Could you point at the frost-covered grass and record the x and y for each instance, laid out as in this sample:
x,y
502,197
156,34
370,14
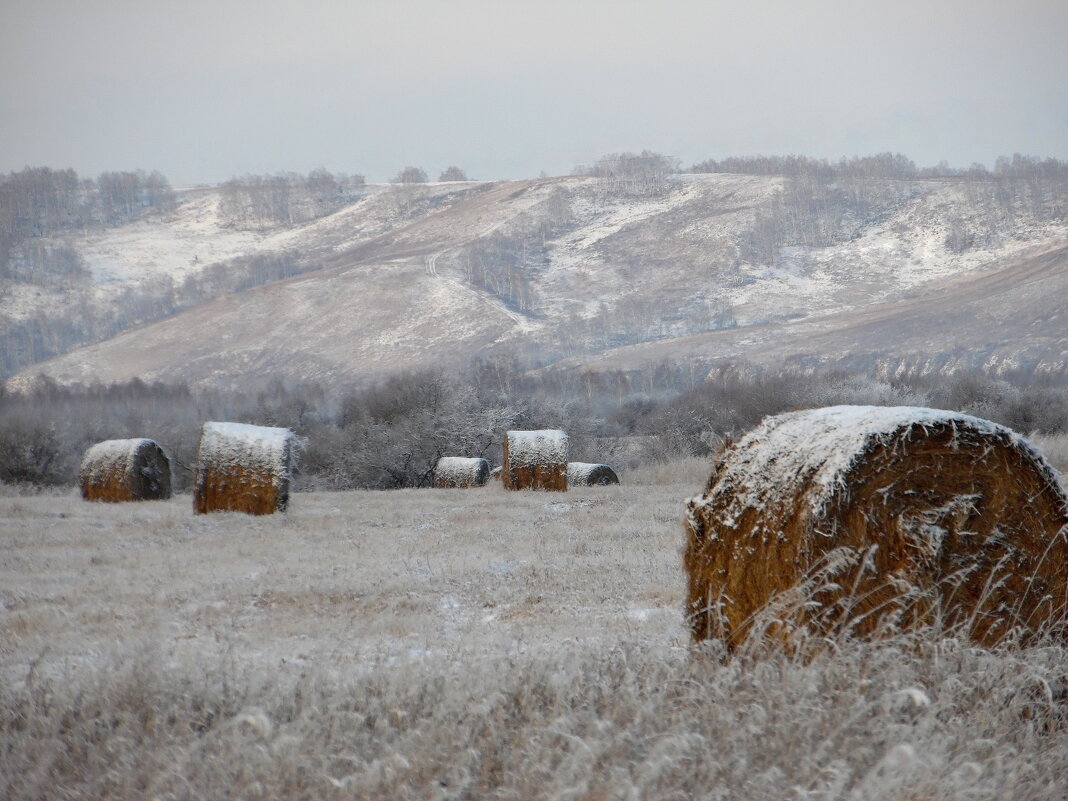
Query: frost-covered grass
x,y
462,644
1055,448
692,471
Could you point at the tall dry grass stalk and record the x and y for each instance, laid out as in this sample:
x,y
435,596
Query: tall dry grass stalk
x,y
690,472
904,719
440,645
879,517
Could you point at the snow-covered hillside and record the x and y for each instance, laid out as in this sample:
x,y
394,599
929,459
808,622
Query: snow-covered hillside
x,y
435,274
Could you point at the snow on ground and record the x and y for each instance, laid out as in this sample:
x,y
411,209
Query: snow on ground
x,y
22,301
342,581
888,260
602,217
171,246
195,236
673,253
608,216
690,223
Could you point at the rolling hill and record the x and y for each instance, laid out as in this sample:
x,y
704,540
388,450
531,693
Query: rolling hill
x,y
580,275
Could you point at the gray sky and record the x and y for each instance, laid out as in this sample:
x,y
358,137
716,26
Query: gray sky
x,y
206,90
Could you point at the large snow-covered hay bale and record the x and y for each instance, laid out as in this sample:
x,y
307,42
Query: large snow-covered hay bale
x,y
119,470
458,472
865,520
587,474
243,468
535,460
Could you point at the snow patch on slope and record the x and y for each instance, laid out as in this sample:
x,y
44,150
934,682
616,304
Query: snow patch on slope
x,y
172,246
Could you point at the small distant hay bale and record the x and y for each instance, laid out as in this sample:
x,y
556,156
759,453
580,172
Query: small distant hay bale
x,y
458,472
535,460
120,470
243,468
495,473
866,520
587,474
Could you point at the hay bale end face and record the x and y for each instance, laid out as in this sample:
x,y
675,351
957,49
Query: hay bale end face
x,y
458,472
243,468
861,520
586,474
120,470
535,460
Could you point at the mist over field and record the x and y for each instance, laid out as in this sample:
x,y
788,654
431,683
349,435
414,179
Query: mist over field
x,y
361,238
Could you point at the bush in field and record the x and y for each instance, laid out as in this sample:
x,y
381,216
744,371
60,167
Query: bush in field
x,y
30,451
390,434
694,423
1023,407
393,433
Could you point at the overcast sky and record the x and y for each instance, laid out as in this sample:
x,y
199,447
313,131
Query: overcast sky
x,y
206,90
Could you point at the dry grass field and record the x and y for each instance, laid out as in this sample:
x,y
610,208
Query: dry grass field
x,y
463,644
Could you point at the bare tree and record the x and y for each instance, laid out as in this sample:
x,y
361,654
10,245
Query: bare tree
x,y
411,175
453,174
644,173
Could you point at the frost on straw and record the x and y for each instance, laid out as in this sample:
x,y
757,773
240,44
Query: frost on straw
x,y
589,474
243,468
858,519
535,460
459,472
119,470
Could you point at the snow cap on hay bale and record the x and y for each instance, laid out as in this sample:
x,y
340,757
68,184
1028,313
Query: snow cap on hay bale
x,y
586,474
243,468
458,472
535,460
860,519
119,470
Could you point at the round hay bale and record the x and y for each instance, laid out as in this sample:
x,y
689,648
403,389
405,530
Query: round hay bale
x,y
587,474
495,473
535,460
459,472
243,468
859,520
120,470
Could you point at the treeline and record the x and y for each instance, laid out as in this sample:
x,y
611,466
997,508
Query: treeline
x,y
391,434
40,202
46,264
506,262
239,274
888,165
816,211
256,201
824,203
634,174
31,339
39,205
881,165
